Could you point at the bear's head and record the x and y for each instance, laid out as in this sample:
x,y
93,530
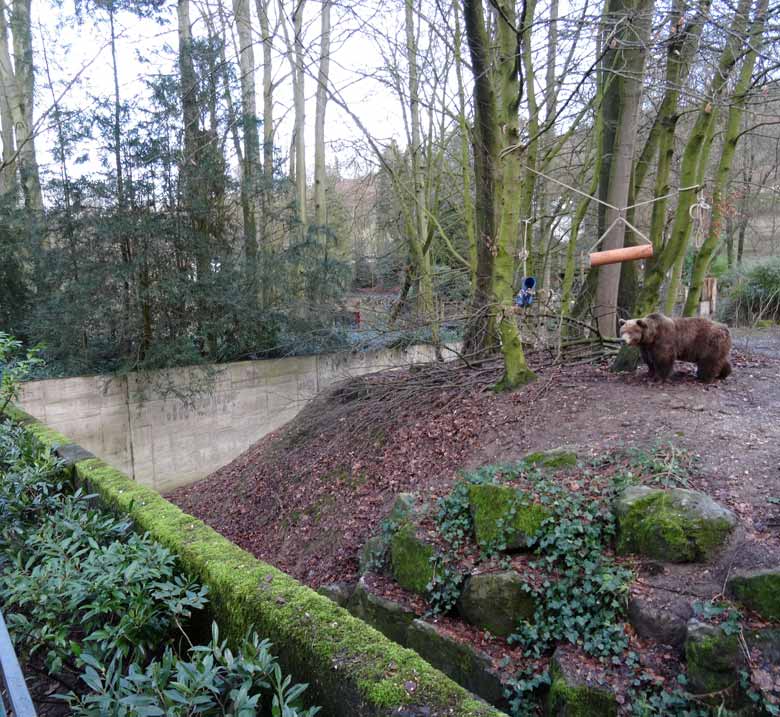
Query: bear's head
x,y
637,331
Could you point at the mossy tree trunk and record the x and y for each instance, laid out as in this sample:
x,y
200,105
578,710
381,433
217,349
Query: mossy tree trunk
x,y
692,164
497,94
705,254
680,51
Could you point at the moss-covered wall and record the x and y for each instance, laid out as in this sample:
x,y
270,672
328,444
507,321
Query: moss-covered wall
x,y
352,669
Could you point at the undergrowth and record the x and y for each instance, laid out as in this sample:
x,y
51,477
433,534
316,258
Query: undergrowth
x,y
102,611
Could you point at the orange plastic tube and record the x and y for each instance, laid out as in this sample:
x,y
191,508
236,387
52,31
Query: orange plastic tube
x,y
615,256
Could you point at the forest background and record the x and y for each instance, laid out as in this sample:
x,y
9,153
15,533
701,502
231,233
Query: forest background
x,y
199,182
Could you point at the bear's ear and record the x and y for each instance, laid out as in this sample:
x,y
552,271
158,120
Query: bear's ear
x,y
641,323
621,322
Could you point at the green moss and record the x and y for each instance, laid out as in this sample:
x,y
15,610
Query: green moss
x,y
502,516
656,527
713,659
552,459
580,701
410,559
758,591
352,669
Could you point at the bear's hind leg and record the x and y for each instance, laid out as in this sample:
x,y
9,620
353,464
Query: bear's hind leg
x,y
725,370
706,371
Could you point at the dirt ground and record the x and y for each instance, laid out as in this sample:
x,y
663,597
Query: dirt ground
x,y
307,497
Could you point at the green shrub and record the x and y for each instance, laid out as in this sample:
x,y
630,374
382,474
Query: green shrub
x,y
213,681
752,293
87,599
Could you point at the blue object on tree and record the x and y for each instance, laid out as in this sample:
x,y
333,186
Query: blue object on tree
x,y
525,296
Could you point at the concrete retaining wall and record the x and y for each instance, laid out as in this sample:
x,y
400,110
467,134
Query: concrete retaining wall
x,y
137,423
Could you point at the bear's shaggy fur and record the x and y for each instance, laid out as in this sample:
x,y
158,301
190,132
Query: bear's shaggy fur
x,y
662,341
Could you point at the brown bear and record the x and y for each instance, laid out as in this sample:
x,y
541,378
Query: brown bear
x,y
662,341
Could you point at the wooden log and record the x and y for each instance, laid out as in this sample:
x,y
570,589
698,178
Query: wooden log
x,y
615,256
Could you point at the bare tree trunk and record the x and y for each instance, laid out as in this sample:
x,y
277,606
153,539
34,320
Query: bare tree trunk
x,y
18,84
299,98
631,59
320,180
418,236
246,61
8,183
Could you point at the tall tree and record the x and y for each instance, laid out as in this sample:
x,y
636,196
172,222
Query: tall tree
x,y
497,95
733,124
320,178
17,80
251,154
692,164
628,28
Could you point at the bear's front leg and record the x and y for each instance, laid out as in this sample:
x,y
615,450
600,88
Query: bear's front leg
x,y
647,357
663,369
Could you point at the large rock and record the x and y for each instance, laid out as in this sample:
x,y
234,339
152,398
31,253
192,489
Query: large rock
x,y
411,560
572,696
677,525
757,590
714,660
663,618
468,667
503,517
390,618
340,593
496,602
373,556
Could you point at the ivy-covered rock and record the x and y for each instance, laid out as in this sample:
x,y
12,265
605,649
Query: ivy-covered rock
x,y
404,508
503,517
553,460
373,555
411,559
496,602
390,618
714,658
757,590
676,525
460,661
572,696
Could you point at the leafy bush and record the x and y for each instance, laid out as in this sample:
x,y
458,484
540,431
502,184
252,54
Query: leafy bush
x,y
87,600
213,681
752,293
15,366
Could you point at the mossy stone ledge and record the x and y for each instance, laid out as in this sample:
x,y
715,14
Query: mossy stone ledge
x,y
458,660
351,668
677,525
757,590
504,516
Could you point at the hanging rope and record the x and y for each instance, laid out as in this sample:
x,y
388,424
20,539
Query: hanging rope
x,y
698,212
